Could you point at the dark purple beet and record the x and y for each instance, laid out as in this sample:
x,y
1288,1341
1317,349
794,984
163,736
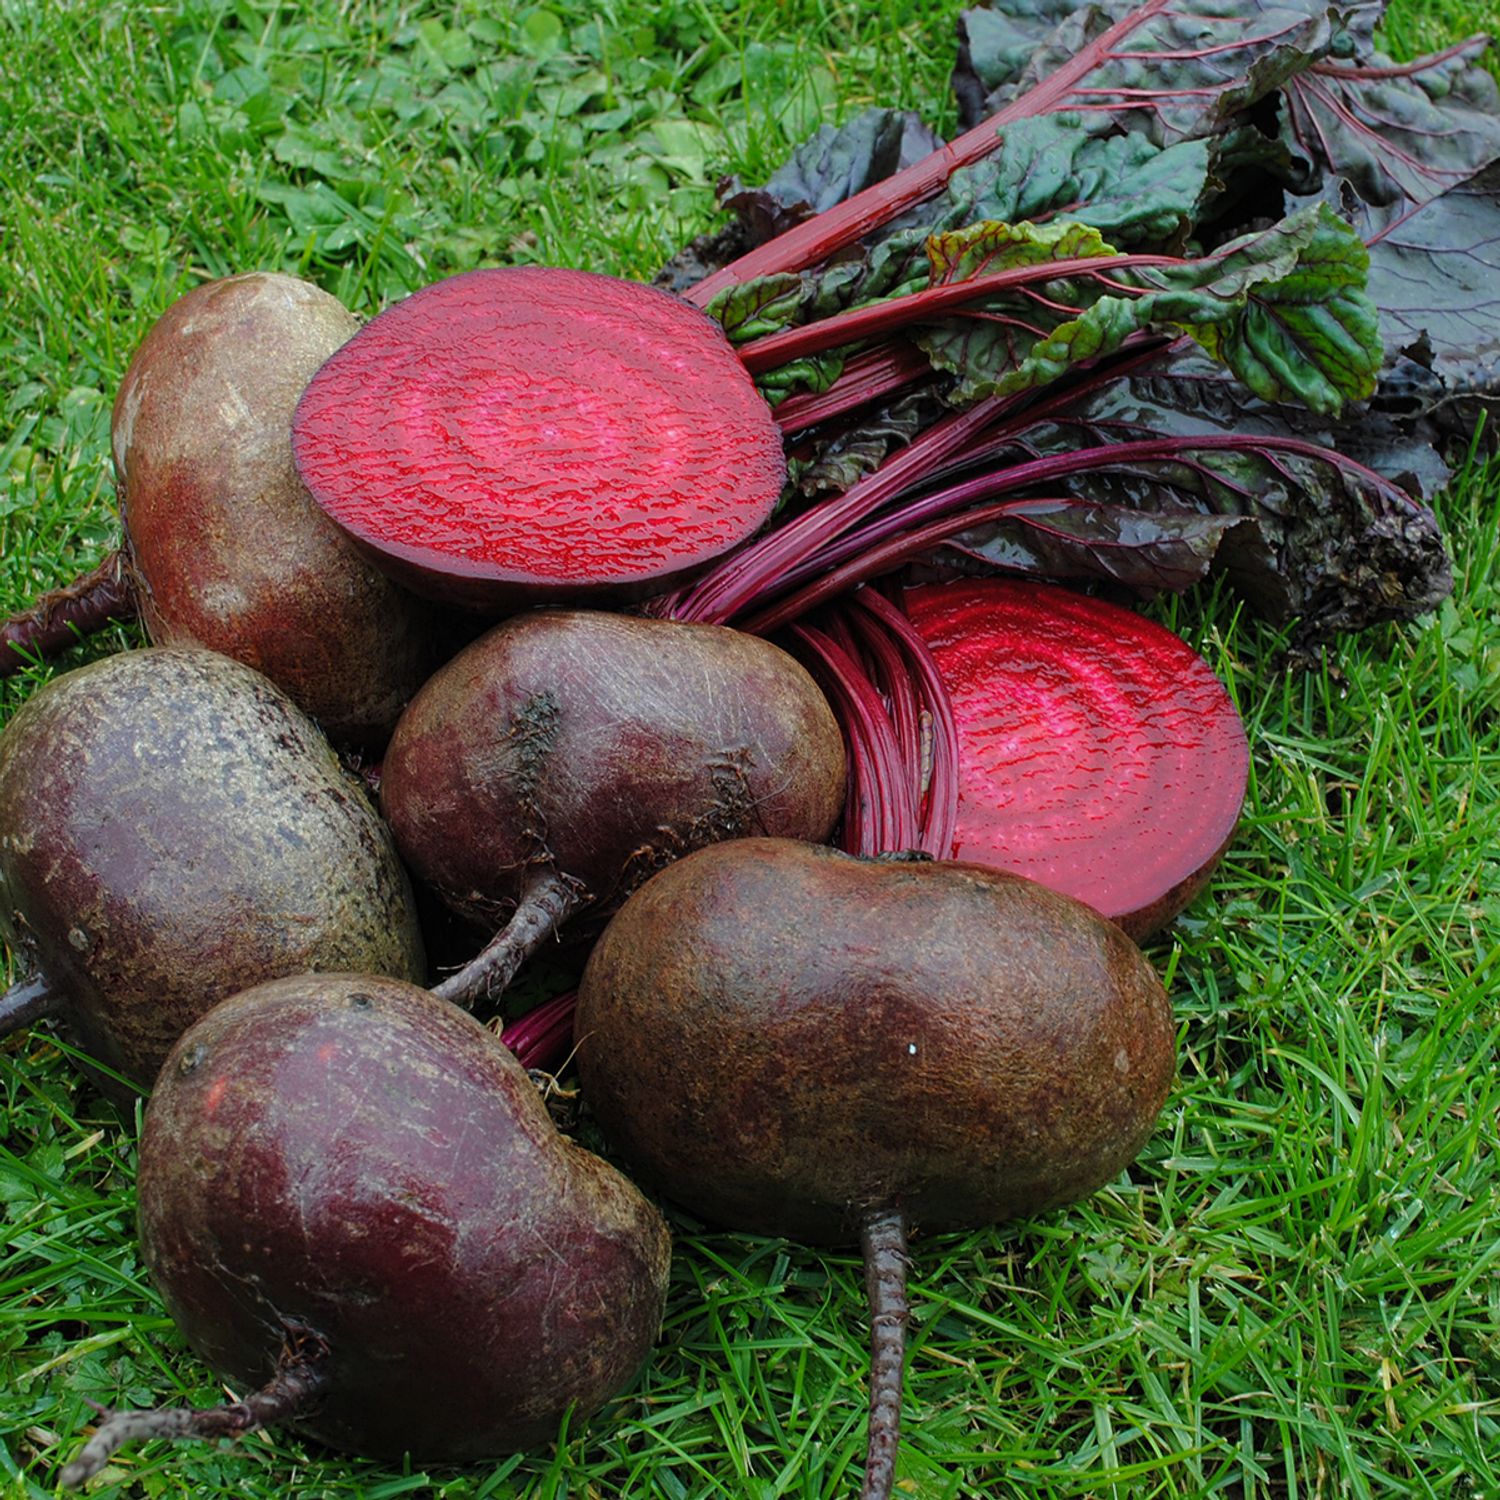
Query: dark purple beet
x,y
226,547
173,829
566,755
352,1194
870,1043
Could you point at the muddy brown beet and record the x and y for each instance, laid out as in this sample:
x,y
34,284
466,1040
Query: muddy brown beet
x,y
566,755
345,1180
173,829
226,547
781,1035
792,1041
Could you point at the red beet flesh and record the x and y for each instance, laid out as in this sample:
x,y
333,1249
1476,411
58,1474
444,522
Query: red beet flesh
x,y
527,434
1098,753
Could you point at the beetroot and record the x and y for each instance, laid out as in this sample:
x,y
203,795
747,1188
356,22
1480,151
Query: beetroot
x,y
226,547
352,1195
868,1044
536,435
174,829
566,755
1097,752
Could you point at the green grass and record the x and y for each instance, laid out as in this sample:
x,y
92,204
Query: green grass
x,y
1296,1292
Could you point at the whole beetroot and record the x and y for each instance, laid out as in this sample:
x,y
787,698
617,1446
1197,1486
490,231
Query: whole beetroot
x,y
223,543
566,755
789,1040
173,829
352,1196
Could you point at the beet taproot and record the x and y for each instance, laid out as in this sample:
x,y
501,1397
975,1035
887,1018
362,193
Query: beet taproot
x,y
523,435
789,1040
173,829
1097,752
564,756
222,541
352,1196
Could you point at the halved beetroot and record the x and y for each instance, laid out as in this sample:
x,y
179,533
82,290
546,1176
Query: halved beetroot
x,y
527,434
1098,753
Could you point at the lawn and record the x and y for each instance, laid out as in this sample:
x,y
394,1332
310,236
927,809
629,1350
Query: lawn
x,y
1294,1293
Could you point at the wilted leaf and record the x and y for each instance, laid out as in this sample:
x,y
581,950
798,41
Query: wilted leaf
x,y
834,164
1144,551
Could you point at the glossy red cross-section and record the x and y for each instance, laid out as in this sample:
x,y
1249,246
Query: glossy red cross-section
x,y
526,434
1098,753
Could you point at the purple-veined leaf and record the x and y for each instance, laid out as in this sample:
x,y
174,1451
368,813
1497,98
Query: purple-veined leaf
x,y
1283,308
1176,69
1435,276
1183,73
1397,135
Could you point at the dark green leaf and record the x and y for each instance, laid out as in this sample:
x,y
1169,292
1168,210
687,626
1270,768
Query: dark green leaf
x,y
1134,192
834,164
1192,396
1283,308
1137,193
751,309
814,374
1331,542
987,247
994,46
836,463
1398,137
1184,72
1308,332
1435,275
1144,551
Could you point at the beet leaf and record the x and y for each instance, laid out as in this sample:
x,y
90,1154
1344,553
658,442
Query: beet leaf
x,y
1185,71
1435,275
832,165
1284,309
1179,70
1399,135
1325,538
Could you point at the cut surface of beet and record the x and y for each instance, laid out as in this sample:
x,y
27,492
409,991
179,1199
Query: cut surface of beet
x,y
510,435
1098,753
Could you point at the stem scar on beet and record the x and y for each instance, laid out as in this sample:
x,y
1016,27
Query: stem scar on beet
x,y
528,435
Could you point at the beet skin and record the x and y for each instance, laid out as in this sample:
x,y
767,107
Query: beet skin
x,y
782,1037
347,1163
173,829
566,755
226,547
